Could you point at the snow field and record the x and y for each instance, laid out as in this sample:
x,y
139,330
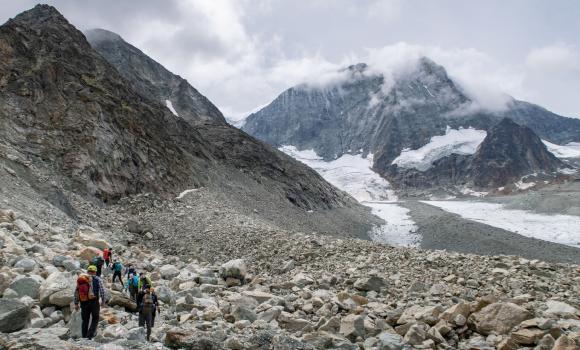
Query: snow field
x,y
563,229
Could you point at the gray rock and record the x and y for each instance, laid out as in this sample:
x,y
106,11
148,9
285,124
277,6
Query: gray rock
x,y
137,334
373,283
14,315
234,269
499,318
390,341
241,312
27,285
26,264
168,272
71,265
352,326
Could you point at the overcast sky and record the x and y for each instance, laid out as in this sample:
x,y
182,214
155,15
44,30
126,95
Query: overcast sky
x,y
242,53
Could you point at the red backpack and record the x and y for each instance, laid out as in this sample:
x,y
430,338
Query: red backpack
x,y
85,287
106,253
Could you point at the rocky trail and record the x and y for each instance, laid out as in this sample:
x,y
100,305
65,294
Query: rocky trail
x,y
233,282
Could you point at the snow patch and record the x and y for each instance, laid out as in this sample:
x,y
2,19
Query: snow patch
x,y
399,229
561,229
570,150
350,173
469,192
170,106
524,185
184,193
458,141
353,174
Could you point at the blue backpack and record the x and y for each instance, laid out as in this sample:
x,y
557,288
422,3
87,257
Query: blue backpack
x,y
135,281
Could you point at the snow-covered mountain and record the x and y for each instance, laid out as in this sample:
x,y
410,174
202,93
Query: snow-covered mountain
x,y
412,122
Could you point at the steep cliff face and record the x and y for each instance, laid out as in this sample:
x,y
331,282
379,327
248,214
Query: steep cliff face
x,y
70,117
508,152
359,116
152,80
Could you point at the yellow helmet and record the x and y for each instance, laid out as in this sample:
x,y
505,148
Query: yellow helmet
x,y
92,268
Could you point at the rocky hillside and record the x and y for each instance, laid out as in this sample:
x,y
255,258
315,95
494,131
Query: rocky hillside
x,y
356,115
253,286
71,122
508,153
152,80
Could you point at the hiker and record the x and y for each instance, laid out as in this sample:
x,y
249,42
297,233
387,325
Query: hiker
x,y
98,262
107,256
130,270
147,304
87,293
144,281
117,268
132,285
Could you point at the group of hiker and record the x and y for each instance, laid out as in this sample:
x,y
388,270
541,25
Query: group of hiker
x,y
90,294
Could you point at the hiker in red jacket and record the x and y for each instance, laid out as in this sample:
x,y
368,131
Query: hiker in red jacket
x,y
107,253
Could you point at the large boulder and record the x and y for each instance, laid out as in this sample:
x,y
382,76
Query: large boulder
x,y
91,238
373,283
352,326
7,215
122,300
89,253
27,264
165,294
62,298
499,318
302,280
14,315
10,244
168,272
234,269
4,282
561,309
390,341
27,286
23,226
55,282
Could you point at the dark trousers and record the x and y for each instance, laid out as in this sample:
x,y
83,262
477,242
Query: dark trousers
x,y
146,319
99,270
90,310
133,292
117,274
107,261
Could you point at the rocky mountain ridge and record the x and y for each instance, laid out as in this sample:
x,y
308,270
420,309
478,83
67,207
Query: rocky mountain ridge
x,y
152,80
70,118
357,117
508,152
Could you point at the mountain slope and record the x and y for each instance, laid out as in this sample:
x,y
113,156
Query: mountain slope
x,y
68,118
152,80
357,115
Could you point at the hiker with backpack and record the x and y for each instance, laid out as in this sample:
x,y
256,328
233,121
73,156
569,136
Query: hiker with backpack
x,y
107,256
98,262
147,304
144,280
132,285
130,270
88,291
117,268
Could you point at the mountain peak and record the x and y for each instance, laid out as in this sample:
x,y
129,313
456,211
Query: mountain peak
x,y
40,14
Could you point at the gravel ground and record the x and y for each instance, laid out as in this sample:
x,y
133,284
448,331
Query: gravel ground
x,y
443,230
556,199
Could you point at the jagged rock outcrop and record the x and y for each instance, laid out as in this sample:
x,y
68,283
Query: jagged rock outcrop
x,y
68,115
508,152
152,79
